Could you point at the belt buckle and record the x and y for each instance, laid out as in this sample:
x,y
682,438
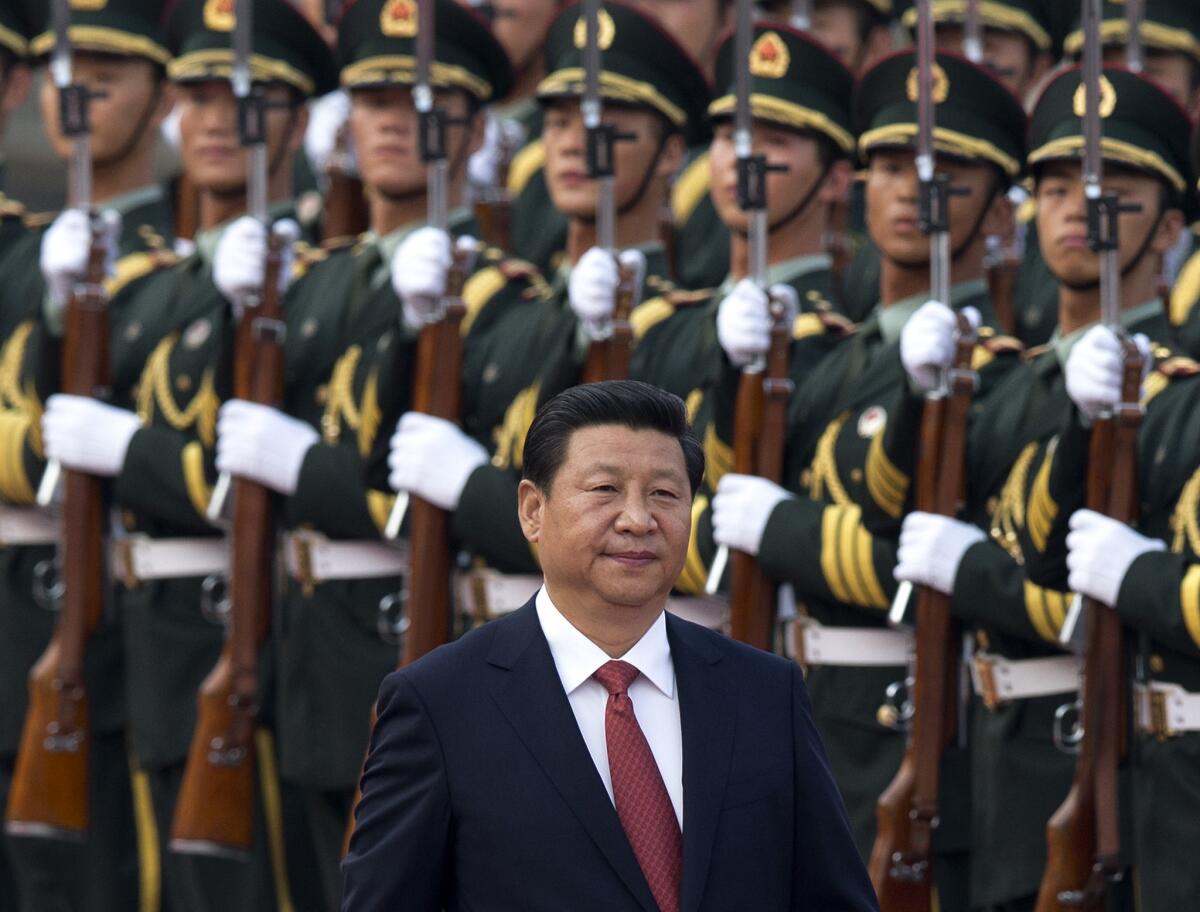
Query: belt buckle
x,y
304,564
799,638
985,680
1158,723
126,566
479,595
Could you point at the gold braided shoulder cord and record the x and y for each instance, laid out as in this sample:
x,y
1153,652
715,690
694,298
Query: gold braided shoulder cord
x,y
340,404
1186,519
824,473
12,357
154,389
1010,511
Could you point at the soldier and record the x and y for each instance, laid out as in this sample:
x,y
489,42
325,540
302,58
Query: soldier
x,y
1021,676
810,533
156,438
350,319
118,53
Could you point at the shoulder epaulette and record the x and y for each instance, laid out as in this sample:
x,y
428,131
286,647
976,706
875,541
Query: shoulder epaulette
x,y
524,165
818,323
139,264
683,297
39,219
990,346
10,208
1031,353
517,269
690,188
1166,371
649,314
331,245
1027,211
1186,292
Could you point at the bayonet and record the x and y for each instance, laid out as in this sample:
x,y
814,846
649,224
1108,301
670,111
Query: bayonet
x,y
972,32
1135,13
801,17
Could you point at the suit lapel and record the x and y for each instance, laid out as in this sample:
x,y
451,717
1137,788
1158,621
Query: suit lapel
x,y
529,692
707,718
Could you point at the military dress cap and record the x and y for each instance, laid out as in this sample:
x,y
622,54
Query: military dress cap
x,y
377,44
287,49
14,28
1025,17
640,65
130,28
977,118
795,82
1143,127
1168,25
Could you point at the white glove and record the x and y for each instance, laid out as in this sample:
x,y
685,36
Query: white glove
x,y
1094,371
432,458
744,320
740,511
931,548
262,444
87,435
592,288
419,268
927,342
1099,553
326,117
240,259
170,131
501,137
65,248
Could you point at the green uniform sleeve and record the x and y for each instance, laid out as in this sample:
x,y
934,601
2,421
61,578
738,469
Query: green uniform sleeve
x,y
331,494
486,521
1161,595
168,475
991,590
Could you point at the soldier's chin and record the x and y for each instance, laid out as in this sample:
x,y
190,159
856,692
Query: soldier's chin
x,y
627,592
574,203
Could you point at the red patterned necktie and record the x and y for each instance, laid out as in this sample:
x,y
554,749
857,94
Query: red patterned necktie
x,y
643,804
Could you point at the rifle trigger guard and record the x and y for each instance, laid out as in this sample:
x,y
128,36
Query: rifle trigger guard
x,y
48,587
1067,738
215,603
393,621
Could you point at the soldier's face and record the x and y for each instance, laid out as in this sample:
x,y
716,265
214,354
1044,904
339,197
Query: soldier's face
x,y
520,27
384,124
209,146
131,105
1009,55
615,522
785,189
1062,221
572,192
696,24
893,204
1176,73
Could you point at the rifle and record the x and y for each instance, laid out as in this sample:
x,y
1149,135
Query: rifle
x,y
1083,839
610,351
346,212
765,386
50,786
901,862
214,814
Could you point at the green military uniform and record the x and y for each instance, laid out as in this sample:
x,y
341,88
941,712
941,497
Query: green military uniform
x,y
183,374
1018,777
841,573
642,66
108,870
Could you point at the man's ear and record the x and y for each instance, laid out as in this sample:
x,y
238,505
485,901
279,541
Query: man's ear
x,y
1000,218
670,162
1170,226
531,500
838,182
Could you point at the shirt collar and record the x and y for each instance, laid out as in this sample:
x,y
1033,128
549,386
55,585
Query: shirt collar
x,y
206,241
786,272
577,658
125,203
893,317
1130,317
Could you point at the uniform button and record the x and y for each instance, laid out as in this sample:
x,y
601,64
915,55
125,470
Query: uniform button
x,y
1157,664
856,475
183,383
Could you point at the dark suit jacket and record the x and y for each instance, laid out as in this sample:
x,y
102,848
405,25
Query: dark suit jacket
x,y
479,793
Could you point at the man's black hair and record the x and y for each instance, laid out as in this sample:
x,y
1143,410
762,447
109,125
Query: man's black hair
x,y
629,403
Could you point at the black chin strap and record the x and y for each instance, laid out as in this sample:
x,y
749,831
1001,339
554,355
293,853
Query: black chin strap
x,y
796,211
649,175
138,129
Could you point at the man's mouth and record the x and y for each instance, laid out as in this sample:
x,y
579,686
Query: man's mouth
x,y
634,559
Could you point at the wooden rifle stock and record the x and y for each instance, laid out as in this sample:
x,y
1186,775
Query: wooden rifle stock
x,y
840,245
1083,848
187,207
901,862
759,436
346,212
438,393
49,792
214,814
609,359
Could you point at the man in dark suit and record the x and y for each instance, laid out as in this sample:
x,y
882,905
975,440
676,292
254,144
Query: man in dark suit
x,y
591,753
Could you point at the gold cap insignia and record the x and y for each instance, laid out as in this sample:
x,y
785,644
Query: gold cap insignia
x,y
608,31
220,15
770,57
941,85
398,19
1108,99
89,5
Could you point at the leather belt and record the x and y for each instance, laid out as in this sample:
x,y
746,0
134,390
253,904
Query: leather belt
x,y
136,559
1165,710
27,526
484,593
312,559
813,643
999,680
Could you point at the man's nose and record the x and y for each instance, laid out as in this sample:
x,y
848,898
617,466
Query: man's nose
x,y
636,517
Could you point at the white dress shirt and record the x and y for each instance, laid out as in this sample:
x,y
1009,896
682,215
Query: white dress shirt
x,y
653,693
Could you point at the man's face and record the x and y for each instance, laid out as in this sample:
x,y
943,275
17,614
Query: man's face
x,y
785,189
614,525
520,27
383,122
209,147
893,204
1008,55
1062,220
836,24
696,24
129,101
563,133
